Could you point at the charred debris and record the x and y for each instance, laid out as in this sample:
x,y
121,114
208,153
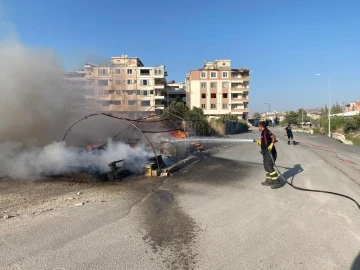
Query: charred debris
x,y
151,132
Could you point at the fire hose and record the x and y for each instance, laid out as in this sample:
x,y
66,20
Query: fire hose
x,y
307,189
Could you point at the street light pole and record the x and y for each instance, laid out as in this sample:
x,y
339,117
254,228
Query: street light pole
x,y
329,80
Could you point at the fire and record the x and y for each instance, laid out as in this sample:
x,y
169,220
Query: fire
x,y
178,134
181,134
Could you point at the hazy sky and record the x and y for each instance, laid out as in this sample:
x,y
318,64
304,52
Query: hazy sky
x,y
284,42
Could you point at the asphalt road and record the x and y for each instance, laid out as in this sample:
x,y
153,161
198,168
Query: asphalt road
x,y
213,214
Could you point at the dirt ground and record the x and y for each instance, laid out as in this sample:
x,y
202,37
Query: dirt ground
x,y
36,197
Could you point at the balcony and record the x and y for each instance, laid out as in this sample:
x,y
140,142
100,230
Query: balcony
x,y
240,78
103,97
159,86
243,110
239,100
89,96
159,97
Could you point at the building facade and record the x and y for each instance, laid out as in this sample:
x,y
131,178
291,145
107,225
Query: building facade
x,y
352,106
125,85
175,92
219,89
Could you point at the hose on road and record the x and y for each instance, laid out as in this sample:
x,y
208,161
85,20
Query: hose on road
x,y
311,190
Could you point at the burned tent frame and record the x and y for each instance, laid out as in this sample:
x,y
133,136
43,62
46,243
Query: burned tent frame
x,y
131,122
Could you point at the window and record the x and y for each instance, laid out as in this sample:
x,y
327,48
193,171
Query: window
x,y
144,82
225,95
224,106
103,92
102,72
213,74
203,106
213,95
131,102
117,71
213,106
158,72
103,82
203,95
129,71
144,92
118,92
225,85
203,74
145,72
224,74
130,92
118,82
117,102
129,81
213,85
203,85
145,103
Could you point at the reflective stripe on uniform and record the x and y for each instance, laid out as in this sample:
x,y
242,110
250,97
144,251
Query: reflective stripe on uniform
x,y
273,173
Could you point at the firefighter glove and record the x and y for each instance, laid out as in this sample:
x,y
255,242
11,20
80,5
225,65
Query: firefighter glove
x,y
270,147
258,142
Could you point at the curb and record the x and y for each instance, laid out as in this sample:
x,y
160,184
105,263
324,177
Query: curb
x,y
179,165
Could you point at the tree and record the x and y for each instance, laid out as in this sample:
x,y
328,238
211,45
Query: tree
x,y
324,111
195,118
291,117
302,116
176,111
228,118
336,108
257,115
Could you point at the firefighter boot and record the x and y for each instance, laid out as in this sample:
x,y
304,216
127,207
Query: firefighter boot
x,y
268,182
276,184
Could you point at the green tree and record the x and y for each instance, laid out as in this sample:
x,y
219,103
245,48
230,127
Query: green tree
x,y
336,108
324,110
291,117
302,115
194,118
228,118
257,116
176,111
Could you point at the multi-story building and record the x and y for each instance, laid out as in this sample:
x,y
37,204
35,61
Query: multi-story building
x,y
125,85
219,89
175,92
352,106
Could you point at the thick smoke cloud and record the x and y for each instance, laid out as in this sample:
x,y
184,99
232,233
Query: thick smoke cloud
x,y
34,117
32,98
57,159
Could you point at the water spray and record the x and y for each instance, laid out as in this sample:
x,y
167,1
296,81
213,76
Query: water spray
x,y
213,140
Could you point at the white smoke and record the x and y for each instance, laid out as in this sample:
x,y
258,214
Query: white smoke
x,y
33,111
57,159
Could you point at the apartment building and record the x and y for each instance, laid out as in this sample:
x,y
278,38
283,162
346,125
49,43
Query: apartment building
x,y
352,106
219,89
175,92
124,85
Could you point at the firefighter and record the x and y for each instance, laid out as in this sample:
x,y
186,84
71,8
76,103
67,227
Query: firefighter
x,y
267,144
289,134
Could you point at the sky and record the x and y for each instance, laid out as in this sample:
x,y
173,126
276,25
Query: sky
x,y
285,43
